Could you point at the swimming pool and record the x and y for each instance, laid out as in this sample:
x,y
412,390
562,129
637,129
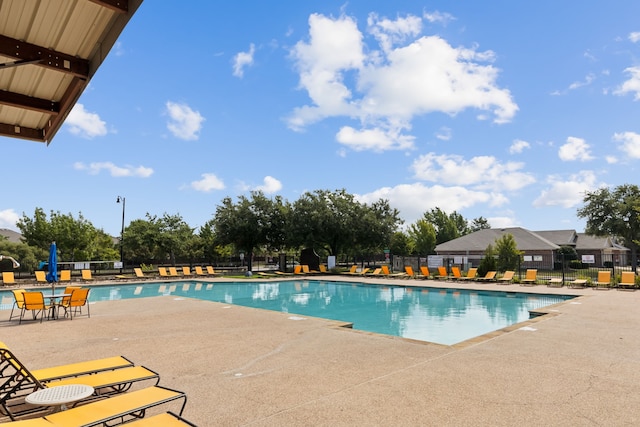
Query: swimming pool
x,y
443,316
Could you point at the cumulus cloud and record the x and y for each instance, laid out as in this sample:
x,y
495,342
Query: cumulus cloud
x,y
632,85
413,200
114,170
242,60
444,134
208,183
385,88
184,123
634,36
84,123
567,192
8,219
481,172
518,146
630,143
270,186
575,149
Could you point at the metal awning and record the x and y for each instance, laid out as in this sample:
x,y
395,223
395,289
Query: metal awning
x,y
49,50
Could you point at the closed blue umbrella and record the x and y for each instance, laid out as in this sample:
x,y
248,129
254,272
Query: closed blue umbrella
x,y
52,275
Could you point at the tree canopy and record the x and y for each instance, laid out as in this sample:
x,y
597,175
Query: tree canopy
x,y
614,212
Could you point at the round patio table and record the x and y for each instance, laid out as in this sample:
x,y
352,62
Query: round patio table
x,y
59,395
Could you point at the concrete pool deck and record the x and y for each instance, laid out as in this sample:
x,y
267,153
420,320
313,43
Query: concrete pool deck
x,y
579,366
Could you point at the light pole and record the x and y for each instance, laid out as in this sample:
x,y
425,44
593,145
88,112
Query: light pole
x,y
118,200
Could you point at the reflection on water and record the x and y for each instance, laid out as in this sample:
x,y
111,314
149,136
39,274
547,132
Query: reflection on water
x,y
445,316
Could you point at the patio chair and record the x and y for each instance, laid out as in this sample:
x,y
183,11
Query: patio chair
x,y
86,275
41,277
530,277
8,278
489,277
627,280
162,271
79,298
455,273
65,276
323,269
425,272
186,271
297,269
199,271
376,272
168,419
353,269
34,302
578,283
18,302
18,381
173,272
471,274
409,270
604,279
211,271
555,282
123,407
507,277
442,273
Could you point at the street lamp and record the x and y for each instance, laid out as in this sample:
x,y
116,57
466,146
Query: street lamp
x,y
118,200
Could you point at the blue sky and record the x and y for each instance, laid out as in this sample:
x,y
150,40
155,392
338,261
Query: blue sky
x,y
501,109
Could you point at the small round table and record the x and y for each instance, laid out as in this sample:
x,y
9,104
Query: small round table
x,y
59,395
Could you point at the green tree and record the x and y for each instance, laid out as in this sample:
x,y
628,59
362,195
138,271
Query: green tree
x,y
508,255
480,223
27,256
488,262
423,235
249,223
614,212
400,244
448,227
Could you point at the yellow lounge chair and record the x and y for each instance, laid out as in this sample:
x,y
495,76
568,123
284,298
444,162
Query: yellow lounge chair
x,y
471,274
507,277
125,407
442,273
173,272
455,273
489,277
578,283
111,375
425,272
65,276
376,272
555,282
41,277
211,271
86,275
162,271
186,271
530,277
604,279
8,278
627,280
139,273
198,270
353,269
409,271
297,269
168,419
387,273
323,269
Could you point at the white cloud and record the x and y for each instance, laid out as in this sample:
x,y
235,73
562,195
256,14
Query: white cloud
x,y
575,149
413,200
8,219
242,60
566,192
270,186
208,183
184,123
116,171
373,139
406,77
518,146
589,78
85,124
481,173
443,18
444,134
502,222
634,36
611,160
630,143
632,85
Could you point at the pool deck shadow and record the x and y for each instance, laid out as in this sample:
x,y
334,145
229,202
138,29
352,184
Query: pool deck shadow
x,y
578,366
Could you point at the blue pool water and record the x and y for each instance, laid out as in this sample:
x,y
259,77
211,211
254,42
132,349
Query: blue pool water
x,y
444,316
